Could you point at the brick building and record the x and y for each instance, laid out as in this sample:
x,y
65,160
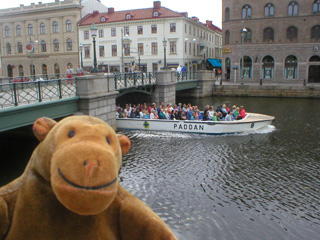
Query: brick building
x,y
279,40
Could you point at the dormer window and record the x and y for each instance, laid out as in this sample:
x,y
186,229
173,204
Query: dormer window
x,y
156,14
128,16
103,19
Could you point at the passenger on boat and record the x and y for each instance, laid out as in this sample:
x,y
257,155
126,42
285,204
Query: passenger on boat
x,y
162,115
189,113
214,117
242,113
236,112
229,116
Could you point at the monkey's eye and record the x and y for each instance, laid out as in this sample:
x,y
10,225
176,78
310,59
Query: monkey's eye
x,y
71,133
108,140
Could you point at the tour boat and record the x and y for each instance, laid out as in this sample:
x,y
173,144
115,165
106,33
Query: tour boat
x,y
252,122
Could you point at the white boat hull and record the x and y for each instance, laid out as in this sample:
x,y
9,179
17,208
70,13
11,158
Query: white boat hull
x,y
251,123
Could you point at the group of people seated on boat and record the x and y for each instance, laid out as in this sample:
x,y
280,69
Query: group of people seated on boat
x,y
181,112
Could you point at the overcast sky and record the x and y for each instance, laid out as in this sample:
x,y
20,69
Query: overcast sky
x,y
203,9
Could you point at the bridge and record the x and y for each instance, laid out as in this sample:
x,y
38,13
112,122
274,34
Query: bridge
x,y
23,101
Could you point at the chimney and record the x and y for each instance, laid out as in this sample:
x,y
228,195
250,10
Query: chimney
x,y
110,10
95,13
195,19
209,23
156,4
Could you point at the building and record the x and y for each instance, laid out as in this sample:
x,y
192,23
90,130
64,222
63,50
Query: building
x,y
276,40
92,5
40,38
134,39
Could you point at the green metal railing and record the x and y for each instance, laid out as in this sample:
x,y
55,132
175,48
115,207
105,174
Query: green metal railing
x,y
21,93
128,80
186,76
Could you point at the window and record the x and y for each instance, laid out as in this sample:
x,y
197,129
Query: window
x,y
140,29
128,16
190,30
292,34
44,69
113,32
246,11
43,46
246,36
57,69
30,29
185,28
114,50
21,73
190,48
293,9
101,51
155,14
42,28
101,33
20,49
127,49
173,47
68,26
7,31
153,28
185,47
103,19
154,50
126,31
55,45
268,67
55,27
227,15
18,30
8,48
172,27
69,44
140,48
316,6
227,37
86,34
268,35
290,65
315,33
269,10
87,52
247,66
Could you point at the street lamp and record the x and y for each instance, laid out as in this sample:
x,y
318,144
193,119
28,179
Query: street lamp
x,y
243,31
81,60
165,53
94,30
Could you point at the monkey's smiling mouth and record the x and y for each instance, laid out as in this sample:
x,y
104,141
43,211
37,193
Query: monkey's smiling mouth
x,y
85,187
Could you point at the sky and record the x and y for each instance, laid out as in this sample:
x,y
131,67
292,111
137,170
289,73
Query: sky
x,y
203,9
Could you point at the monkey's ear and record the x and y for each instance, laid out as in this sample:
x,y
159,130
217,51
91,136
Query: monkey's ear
x,y
125,143
42,127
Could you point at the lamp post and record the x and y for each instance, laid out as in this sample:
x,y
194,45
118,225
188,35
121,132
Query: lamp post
x,y
165,53
243,31
81,60
94,30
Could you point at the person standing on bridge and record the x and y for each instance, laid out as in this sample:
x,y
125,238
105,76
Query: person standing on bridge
x,y
69,74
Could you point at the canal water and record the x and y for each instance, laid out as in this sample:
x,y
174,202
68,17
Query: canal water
x,y
264,185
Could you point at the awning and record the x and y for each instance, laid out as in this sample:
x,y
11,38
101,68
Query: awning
x,y
215,62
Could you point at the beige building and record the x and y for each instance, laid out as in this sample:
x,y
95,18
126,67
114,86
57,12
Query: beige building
x,y
40,39
276,40
134,38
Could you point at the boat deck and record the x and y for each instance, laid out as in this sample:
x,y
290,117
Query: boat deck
x,y
257,117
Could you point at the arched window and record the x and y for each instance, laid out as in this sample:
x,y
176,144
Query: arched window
x,y
7,31
290,67
30,29
69,44
21,73
42,28
246,36
227,15
57,70
55,27
43,46
19,46
316,6
268,35
55,45
10,72
228,68
128,16
315,33
314,58
8,48
44,69
268,67
247,66
103,19
32,70
68,26
246,11
18,30
269,10
293,9
227,37
292,34
155,14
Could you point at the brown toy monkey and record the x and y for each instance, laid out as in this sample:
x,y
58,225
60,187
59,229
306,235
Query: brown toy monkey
x,y
70,188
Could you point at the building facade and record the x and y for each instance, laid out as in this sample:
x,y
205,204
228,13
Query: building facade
x,y
275,40
133,39
40,39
